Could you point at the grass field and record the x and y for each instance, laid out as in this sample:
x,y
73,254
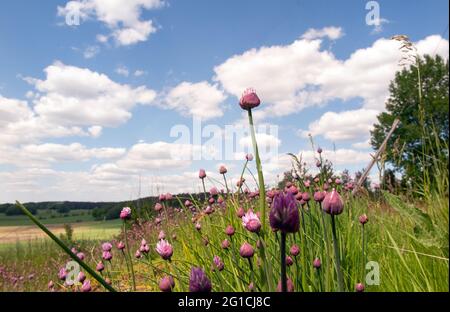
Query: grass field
x,y
83,230
47,217
30,257
19,228
409,245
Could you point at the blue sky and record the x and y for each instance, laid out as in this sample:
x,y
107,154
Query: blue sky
x,y
85,110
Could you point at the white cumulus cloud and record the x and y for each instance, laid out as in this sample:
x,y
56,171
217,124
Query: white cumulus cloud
x,y
122,70
195,99
302,75
122,17
72,152
79,96
346,125
331,32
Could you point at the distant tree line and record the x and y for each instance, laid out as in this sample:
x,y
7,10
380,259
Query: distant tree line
x,y
60,207
143,207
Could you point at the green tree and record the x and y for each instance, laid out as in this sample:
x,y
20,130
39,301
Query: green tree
x,y
422,122
287,177
62,209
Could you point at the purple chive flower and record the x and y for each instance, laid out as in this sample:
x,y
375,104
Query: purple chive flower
x,y
161,235
249,99
166,284
162,197
284,214
326,186
229,230
125,214
338,181
249,157
62,274
319,196
202,174
218,263
246,250
317,263
293,189
158,207
241,212
298,196
271,193
319,150
289,261
290,286
211,200
100,267
106,246
240,182
295,250
164,249
86,287
137,254
359,287
198,281
214,191
363,219
222,170
144,248
226,244
198,226
332,203
169,196
80,256
209,210
251,222
306,197
120,245
158,221
106,255
307,183
81,277
74,250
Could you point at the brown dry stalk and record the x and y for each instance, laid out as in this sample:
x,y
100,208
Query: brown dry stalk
x,y
375,158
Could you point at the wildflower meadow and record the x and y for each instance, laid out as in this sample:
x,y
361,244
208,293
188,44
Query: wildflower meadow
x,y
316,162
316,233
